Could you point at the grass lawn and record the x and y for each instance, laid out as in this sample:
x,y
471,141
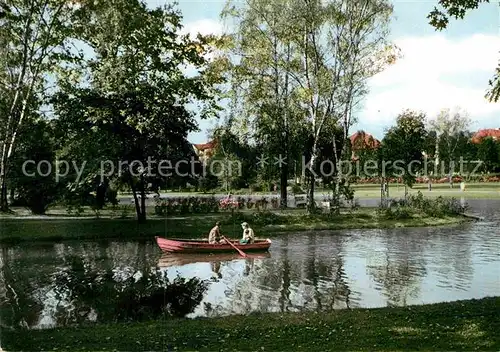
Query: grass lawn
x,y
477,190
266,224
472,191
462,325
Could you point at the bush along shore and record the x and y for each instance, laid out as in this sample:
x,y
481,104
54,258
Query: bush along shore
x,y
462,325
416,211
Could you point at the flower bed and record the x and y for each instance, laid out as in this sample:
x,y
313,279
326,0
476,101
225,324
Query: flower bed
x,y
445,179
182,205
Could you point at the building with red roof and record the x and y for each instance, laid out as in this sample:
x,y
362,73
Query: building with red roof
x,y
362,140
205,150
485,133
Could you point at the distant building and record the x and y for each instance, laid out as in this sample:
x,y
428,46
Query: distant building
x,y
362,140
204,150
485,133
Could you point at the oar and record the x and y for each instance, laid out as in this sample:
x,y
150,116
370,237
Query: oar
x,y
232,245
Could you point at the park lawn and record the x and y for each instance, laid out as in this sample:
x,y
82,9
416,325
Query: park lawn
x,y
461,325
265,224
472,191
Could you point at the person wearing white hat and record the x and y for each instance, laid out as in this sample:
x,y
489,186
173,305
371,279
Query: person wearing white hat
x,y
248,235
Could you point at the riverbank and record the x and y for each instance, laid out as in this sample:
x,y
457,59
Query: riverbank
x,y
462,325
56,228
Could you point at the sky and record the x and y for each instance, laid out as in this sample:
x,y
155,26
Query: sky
x,y
448,69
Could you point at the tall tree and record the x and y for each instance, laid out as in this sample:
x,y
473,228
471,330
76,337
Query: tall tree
x,y
403,146
136,107
264,49
320,55
34,41
448,126
343,43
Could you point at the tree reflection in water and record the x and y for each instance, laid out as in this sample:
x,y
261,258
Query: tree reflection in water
x,y
399,270
82,289
148,294
248,266
216,269
303,273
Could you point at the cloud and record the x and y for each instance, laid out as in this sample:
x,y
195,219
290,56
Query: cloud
x,y
436,73
204,26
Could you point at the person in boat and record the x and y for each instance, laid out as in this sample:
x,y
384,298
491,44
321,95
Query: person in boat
x,y
214,237
248,235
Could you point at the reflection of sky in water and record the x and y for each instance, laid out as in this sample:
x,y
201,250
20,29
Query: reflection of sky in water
x,y
369,268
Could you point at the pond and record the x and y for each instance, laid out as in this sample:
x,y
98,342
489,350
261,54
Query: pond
x,y
303,271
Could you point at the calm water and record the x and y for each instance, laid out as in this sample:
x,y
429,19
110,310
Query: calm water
x,y
312,271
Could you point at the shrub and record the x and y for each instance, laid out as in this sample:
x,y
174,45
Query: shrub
x,y
195,205
208,183
255,188
228,203
241,203
397,213
438,207
296,189
261,203
250,203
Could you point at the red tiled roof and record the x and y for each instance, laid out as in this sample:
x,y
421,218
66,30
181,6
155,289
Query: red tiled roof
x,y
367,141
487,132
204,146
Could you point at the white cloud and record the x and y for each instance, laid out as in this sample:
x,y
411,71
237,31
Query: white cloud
x,y
426,78
204,27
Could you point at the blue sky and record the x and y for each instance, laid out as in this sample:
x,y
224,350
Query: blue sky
x,y
448,69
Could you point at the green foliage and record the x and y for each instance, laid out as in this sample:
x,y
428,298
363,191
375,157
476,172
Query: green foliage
x,y
462,325
208,183
489,153
297,189
35,157
436,207
135,109
256,187
237,155
402,146
416,205
397,213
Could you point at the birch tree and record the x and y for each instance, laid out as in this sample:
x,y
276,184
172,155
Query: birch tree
x,y
448,125
343,44
34,38
308,62
264,92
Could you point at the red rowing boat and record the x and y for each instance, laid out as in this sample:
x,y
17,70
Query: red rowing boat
x,y
202,246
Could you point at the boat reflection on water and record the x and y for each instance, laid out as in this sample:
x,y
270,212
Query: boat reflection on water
x,y
170,259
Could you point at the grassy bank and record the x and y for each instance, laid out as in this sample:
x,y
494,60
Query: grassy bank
x,y
193,226
463,325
